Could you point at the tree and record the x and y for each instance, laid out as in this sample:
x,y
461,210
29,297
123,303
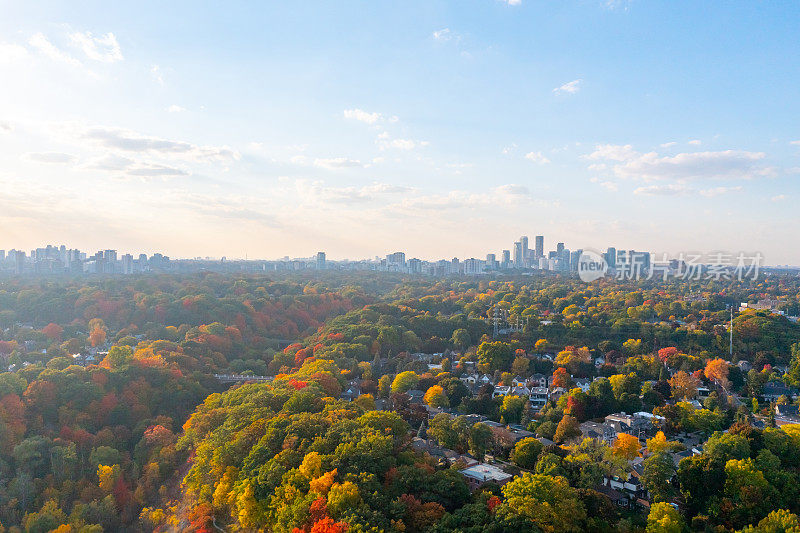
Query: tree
x,y
526,452
659,443
547,502
665,353
436,397
384,386
567,429
495,355
658,471
664,518
461,339
520,366
683,385
53,331
717,371
747,491
512,408
626,446
632,346
561,378
404,382
780,521
480,440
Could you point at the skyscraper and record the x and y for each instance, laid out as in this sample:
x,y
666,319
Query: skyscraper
x,y
506,258
524,241
518,254
611,257
539,246
320,260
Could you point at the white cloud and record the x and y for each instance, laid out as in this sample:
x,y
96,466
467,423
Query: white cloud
x,y
384,142
130,141
155,170
104,48
796,143
537,158
367,117
175,109
696,142
513,2
570,87
43,45
727,164
510,148
108,162
155,73
6,127
318,193
716,191
12,53
779,197
663,190
614,152
668,145
443,35
49,157
610,185
337,162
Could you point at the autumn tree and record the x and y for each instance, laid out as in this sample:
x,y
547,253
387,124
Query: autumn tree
x,y
684,385
664,518
717,371
436,397
404,382
626,446
568,428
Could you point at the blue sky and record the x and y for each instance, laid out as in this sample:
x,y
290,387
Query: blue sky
x,y
439,128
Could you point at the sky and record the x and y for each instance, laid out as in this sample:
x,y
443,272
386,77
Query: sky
x,y
440,128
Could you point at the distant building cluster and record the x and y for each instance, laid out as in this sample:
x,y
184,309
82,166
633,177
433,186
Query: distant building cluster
x,y
61,260
521,257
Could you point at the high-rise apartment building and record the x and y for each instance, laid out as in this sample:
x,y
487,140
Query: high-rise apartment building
x,y
524,242
539,246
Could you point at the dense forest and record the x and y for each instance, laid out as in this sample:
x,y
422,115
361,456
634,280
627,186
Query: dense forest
x,y
363,412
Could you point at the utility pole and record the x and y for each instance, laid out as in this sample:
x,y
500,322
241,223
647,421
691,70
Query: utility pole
x,y
730,350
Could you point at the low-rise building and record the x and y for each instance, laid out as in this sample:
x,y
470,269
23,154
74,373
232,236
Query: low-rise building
x,y
477,475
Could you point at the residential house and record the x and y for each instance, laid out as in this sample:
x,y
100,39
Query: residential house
x,y
539,396
476,476
775,389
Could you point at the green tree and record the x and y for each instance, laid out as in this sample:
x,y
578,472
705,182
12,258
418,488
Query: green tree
x,y
480,440
461,339
664,518
549,503
512,408
404,381
495,355
658,471
526,452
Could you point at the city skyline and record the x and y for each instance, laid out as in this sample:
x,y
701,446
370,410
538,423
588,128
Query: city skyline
x,y
440,128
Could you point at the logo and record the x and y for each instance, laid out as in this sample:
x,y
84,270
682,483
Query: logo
x,y
591,266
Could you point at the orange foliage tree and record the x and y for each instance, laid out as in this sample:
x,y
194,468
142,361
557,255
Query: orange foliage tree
x,y
626,446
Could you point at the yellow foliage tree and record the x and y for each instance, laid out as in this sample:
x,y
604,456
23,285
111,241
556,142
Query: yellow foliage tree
x,y
107,476
626,446
311,467
323,483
